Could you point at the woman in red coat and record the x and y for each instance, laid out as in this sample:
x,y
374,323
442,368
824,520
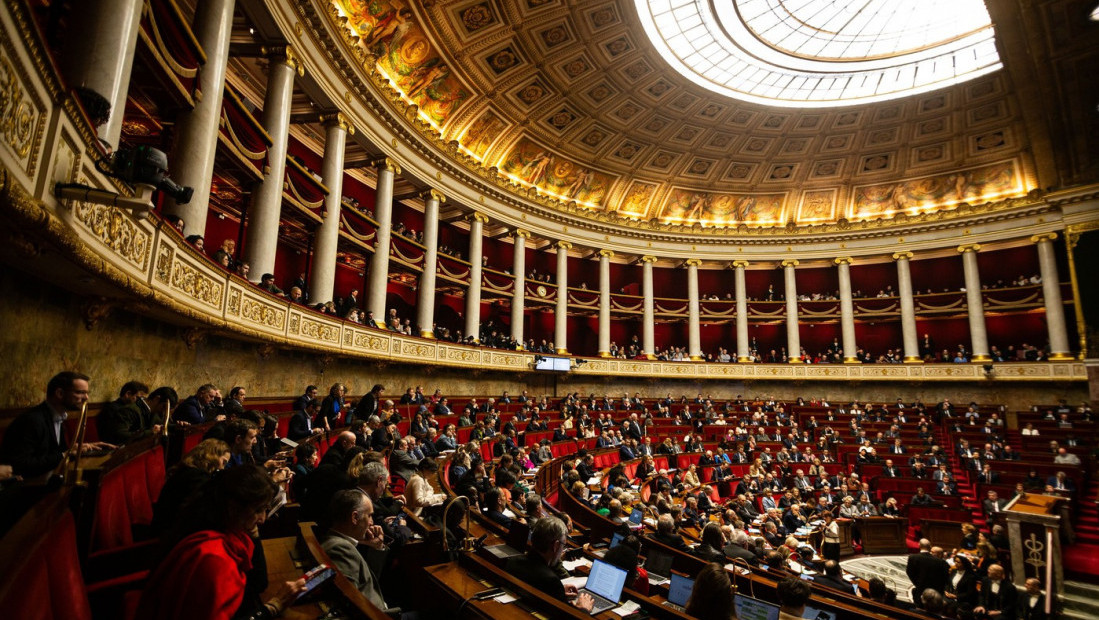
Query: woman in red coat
x,y
203,575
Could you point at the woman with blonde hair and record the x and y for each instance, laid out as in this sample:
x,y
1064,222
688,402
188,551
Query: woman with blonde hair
x,y
193,471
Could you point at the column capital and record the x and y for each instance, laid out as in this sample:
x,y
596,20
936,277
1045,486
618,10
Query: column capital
x,y
790,262
606,253
563,245
971,247
388,163
522,232
477,216
694,262
286,55
740,263
339,119
1050,236
902,255
648,258
843,260
431,194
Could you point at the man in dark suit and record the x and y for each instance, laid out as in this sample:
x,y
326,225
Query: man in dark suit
x,y
626,452
738,548
832,577
890,471
401,461
352,524
548,541
301,423
996,595
193,410
993,503
925,570
35,442
1032,603
126,418
370,403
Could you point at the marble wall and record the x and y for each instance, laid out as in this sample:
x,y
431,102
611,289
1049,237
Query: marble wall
x,y
45,332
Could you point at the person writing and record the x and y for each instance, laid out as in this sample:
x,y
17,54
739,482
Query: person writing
x,y
548,539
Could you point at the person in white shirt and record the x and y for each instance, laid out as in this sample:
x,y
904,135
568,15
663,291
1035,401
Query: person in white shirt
x,y
419,492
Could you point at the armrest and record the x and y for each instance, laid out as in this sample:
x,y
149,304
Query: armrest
x,y
108,565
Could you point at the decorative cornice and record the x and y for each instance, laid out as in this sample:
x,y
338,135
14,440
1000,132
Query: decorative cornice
x,y
970,247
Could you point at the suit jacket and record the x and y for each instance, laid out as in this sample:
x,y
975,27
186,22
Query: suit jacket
x,y
996,506
626,454
1025,612
402,464
300,426
30,445
120,422
346,558
1005,600
927,571
537,573
189,411
368,406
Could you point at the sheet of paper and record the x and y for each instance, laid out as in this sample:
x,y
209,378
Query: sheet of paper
x,y
626,608
575,581
505,598
572,565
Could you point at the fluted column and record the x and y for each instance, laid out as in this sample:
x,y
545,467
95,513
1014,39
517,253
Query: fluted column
x,y
648,315
793,335
377,282
847,311
974,303
265,211
1051,294
519,290
561,320
322,281
99,55
425,297
908,309
743,350
694,329
197,129
473,293
605,302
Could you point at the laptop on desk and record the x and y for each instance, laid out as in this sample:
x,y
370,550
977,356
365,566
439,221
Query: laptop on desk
x,y
635,518
514,545
659,566
604,585
679,592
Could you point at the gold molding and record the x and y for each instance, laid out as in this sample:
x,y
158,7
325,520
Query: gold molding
x,y
741,264
903,255
522,232
477,216
339,119
563,245
1050,236
648,258
790,262
694,262
843,260
970,247
606,253
287,56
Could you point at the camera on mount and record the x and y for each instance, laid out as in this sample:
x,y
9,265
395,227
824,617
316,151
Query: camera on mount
x,y
144,164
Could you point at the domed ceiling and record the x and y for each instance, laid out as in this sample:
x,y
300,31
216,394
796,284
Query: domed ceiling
x,y
573,98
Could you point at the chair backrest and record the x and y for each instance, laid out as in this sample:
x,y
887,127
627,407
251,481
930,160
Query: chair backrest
x,y
111,522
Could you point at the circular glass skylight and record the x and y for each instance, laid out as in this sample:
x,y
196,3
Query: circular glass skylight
x,y
820,53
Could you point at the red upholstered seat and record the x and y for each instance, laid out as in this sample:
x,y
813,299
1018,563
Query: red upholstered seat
x,y
111,525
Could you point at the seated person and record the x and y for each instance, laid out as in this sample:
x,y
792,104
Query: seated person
x,y
548,541
186,478
419,493
353,525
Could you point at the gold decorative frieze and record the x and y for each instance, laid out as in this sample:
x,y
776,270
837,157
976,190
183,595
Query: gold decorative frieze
x,y
165,254
195,284
263,313
21,111
115,229
317,330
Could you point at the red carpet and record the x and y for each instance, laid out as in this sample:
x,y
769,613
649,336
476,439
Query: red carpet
x,y
1082,560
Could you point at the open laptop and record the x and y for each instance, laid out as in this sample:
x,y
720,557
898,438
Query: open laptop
x,y
515,543
748,607
679,592
635,518
659,566
605,583
616,540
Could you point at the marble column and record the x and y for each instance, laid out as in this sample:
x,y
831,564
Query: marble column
x,y
847,311
694,329
561,318
605,302
99,55
477,223
197,129
1051,294
377,280
1072,238
519,288
425,297
909,337
793,335
974,303
743,348
264,214
648,316
322,281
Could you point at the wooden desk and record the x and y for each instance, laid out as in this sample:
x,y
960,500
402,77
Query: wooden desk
x,y
945,534
882,534
281,567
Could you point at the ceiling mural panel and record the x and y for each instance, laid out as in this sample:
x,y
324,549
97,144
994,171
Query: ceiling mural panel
x,y
975,185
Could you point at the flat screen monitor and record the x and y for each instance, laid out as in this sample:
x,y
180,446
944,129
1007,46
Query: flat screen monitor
x,y
680,589
559,364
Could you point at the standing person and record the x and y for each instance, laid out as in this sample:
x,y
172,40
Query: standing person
x,y
831,547
204,574
35,442
332,407
926,571
370,403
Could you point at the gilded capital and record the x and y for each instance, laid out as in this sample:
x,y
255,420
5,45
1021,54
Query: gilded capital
x,y
843,260
287,56
563,245
972,247
606,253
522,232
740,264
433,194
790,262
902,255
477,216
1051,236
694,262
387,163
339,119
648,258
